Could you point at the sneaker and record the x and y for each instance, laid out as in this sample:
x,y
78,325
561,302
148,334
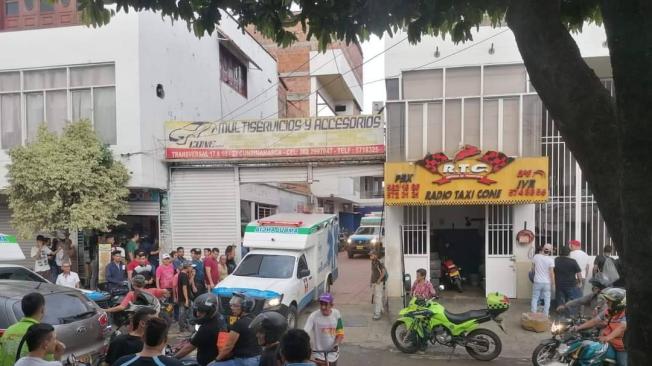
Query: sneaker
x,y
376,317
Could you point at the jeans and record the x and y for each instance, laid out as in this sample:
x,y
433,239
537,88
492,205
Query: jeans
x,y
621,358
184,312
566,294
251,361
377,290
539,290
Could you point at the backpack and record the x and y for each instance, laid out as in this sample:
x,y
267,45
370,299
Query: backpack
x,y
384,269
610,270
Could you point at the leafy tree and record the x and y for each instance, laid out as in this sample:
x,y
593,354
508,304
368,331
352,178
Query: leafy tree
x,y
610,137
67,182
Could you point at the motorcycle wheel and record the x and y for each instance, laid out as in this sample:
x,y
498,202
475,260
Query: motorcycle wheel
x,y
458,284
483,338
545,354
404,339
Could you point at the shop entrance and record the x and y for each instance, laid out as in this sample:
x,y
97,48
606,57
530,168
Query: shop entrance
x,y
457,236
478,239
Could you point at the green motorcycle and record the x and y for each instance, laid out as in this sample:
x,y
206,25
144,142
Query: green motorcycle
x,y
428,321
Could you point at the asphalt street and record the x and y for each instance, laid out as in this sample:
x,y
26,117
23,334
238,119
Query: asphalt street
x,y
359,356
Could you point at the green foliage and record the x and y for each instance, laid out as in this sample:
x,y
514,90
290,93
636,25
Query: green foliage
x,y
344,20
65,182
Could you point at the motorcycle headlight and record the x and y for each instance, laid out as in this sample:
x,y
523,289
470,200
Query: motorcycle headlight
x,y
276,301
556,328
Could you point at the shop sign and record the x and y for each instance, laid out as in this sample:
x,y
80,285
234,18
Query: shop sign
x,y
143,195
468,178
333,137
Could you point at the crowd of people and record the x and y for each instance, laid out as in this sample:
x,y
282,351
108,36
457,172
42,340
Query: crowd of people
x,y
250,340
52,256
566,276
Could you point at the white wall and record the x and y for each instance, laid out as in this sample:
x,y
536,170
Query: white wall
x,y
406,56
116,42
285,201
147,51
333,62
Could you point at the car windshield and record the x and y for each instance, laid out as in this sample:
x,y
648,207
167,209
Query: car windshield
x,y
62,308
367,230
20,274
266,266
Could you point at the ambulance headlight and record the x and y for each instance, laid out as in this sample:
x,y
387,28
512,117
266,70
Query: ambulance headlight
x,y
276,301
349,240
374,241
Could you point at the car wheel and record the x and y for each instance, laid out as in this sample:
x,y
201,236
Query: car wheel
x,y
292,317
349,254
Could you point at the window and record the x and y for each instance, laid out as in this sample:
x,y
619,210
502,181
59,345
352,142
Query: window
x,y
11,8
302,265
391,88
55,96
266,266
29,5
233,72
263,211
47,6
62,308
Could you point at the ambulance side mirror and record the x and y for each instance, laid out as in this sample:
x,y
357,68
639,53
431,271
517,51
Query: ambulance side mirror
x,y
304,272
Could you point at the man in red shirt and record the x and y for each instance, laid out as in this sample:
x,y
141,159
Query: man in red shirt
x,y
141,266
211,270
138,284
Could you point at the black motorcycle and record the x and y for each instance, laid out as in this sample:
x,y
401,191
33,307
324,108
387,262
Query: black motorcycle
x,y
547,352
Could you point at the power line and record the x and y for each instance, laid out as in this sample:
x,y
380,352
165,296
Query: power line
x,y
330,82
249,100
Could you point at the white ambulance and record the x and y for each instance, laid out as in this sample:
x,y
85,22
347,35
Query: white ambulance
x,y
291,260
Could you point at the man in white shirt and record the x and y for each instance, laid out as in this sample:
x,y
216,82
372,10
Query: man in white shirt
x,y
40,254
68,278
581,258
543,266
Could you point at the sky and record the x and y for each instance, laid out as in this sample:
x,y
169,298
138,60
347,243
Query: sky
x,y
373,70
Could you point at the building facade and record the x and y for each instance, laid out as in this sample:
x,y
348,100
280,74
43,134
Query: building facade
x,y
127,78
449,103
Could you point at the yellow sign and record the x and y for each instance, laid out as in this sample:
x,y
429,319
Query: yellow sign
x,y
103,259
333,137
468,178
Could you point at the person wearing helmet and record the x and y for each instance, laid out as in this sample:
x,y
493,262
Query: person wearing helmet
x,y
138,289
241,348
205,314
269,326
593,304
614,322
326,330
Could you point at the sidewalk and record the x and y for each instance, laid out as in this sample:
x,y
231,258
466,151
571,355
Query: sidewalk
x,y
362,331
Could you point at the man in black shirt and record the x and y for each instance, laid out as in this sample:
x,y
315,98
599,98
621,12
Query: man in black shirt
x,y
210,323
269,327
128,344
155,337
184,296
568,276
241,347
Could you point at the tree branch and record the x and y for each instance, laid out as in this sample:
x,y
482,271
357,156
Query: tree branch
x,y
582,108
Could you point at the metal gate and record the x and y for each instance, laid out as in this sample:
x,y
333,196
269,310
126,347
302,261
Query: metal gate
x,y
415,239
500,269
571,212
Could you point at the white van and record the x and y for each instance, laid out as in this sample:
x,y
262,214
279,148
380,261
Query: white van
x,y
292,259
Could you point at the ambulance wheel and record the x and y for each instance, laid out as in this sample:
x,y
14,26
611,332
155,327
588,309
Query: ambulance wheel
x,y
292,317
329,284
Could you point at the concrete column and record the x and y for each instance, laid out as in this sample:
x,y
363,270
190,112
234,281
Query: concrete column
x,y
393,257
523,217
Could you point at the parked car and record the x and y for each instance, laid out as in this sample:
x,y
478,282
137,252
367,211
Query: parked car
x,y
79,323
20,273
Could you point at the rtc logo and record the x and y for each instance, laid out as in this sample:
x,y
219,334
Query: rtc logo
x,y
465,165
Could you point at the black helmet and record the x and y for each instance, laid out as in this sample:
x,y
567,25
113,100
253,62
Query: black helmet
x,y
272,324
616,299
246,303
144,299
206,303
599,281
